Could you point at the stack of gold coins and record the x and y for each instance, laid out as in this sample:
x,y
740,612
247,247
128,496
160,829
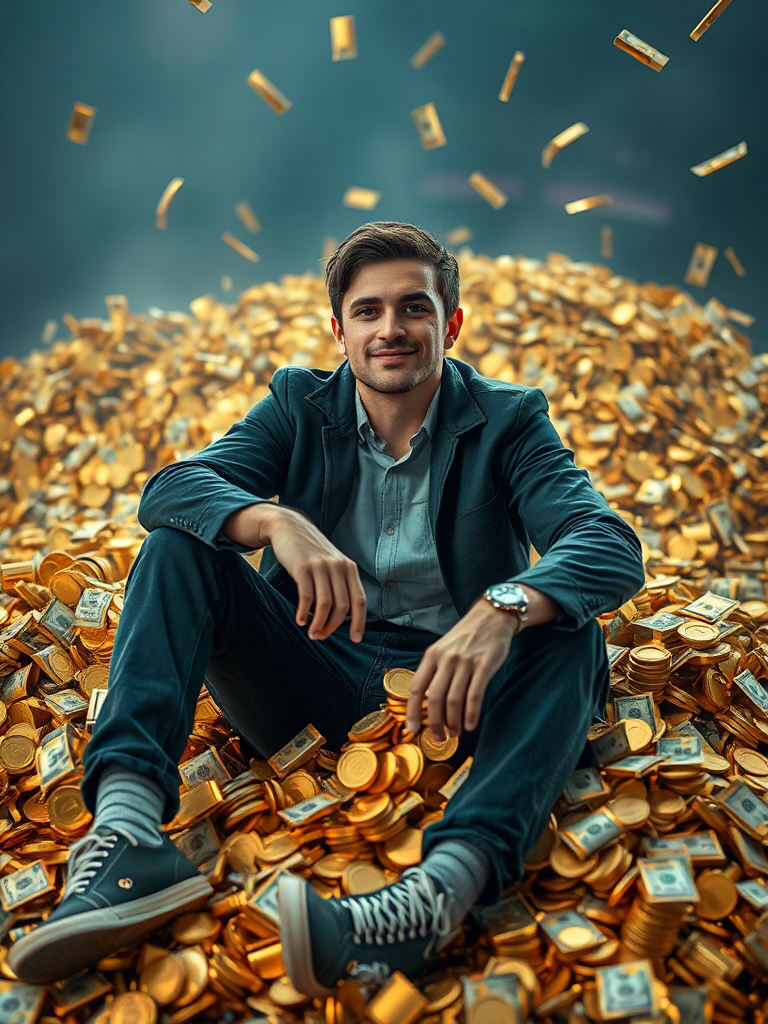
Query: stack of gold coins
x,y
649,668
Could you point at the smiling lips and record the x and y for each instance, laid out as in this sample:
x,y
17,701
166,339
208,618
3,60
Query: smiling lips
x,y
398,353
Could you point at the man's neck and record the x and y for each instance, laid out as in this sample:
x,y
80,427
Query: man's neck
x,y
397,418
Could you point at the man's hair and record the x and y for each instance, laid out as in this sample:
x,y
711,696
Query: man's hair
x,y
382,241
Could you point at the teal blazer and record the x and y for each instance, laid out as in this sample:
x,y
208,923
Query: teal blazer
x,y
500,480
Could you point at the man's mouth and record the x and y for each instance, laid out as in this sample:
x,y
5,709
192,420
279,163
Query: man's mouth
x,y
394,356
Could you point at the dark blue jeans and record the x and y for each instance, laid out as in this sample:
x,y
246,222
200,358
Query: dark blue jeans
x,y
195,615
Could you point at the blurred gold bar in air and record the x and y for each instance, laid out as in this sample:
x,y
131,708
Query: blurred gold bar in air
x,y
240,247
428,126
361,198
80,123
426,52
330,245
580,205
721,160
458,235
248,218
639,50
202,5
262,86
735,262
606,242
702,260
488,190
161,212
565,138
343,38
511,76
707,20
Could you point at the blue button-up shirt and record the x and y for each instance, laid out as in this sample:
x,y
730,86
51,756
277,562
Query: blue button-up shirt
x,y
386,530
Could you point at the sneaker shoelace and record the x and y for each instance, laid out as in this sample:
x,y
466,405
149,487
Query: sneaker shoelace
x,y
87,855
405,910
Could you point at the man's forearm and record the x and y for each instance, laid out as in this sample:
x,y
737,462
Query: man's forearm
x,y
250,526
541,609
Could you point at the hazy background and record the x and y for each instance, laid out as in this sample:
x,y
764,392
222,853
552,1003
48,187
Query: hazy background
x,y
77,222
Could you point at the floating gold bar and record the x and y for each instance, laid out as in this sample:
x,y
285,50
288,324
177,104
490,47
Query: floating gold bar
x,y
702,260
490,193
579,205
343,38
426,52
247,217
511,76
735,262
361,198
240,247
639,50
161,212
202,5
330,245
226,283
458,235
262,86
80,123
606,242
707,20
565,138
428,126
721,160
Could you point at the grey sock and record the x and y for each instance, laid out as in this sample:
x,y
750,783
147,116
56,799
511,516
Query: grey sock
x,y
130,801
461,872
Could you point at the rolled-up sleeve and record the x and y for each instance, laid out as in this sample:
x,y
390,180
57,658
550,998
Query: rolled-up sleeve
x,y
591,560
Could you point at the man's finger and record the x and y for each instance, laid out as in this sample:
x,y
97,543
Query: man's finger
x,y
454,699
474,700
419,685
306,591
337,581
323,603
436,695
357,602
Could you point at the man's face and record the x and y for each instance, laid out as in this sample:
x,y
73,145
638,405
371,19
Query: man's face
x,y
394,330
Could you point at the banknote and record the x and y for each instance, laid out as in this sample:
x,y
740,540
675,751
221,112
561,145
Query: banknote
x,y
755,892
19,1003
75,992
701,847
591,833
608,743
263,903
55,760
615,652
308,810
571,931
751,854
91,611
710,607
95,704
16,685
639,706
687,729
681,749
297,752
693,1004
58,620
668,880
198,843
584,785
636,765
498,991
55,661
657,626
66,703
206,766
746,808
509,917
753,690
625,990
26,884
457,780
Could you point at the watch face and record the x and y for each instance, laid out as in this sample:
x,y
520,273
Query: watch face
x,y
508,594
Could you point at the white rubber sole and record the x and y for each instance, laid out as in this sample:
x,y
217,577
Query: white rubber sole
x,y
57,950
295,937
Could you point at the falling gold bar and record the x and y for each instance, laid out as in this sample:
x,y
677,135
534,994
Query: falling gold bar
x,y
80,123
735,262
49,331
117,307
580,205
640,50
247,217
721,160
330,245
343,38
240,247
606,242
488,190
226,283
745,319
426,52
511,76
458,236
361,198
565,138
166,198
700,267
428,126
707,20
202,5
262,86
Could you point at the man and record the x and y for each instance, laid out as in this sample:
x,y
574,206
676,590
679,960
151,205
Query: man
x,y
411,489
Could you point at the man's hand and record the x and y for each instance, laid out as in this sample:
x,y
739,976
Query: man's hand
x,y
456,669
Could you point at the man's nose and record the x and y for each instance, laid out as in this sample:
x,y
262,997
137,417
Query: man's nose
x,y
390,325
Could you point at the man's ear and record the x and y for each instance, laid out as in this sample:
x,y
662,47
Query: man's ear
x,y
453,327
338,334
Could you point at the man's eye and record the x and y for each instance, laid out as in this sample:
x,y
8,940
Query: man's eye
x,y
415,307
366,309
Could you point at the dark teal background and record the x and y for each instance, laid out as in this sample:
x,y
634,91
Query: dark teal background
x,y
77,223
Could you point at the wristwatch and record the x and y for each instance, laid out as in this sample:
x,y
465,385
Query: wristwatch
x,y
509,597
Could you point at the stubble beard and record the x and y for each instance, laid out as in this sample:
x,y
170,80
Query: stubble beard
x,y
389,382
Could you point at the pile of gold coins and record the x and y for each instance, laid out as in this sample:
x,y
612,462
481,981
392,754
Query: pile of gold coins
x,y
645,898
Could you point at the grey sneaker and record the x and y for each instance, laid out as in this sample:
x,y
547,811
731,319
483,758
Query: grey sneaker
x,y
116,892
399,928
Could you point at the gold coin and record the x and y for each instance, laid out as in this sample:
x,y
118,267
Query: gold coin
x,y
639,733
133,1008
410,765
66,810
648,654
163,980
361,877
371,726
368,808
565,862
631,811
404,849
64,586
95,677
712,655
386,774
17,753
331,866
195,965
193,928
397,682
752,761
718,895
284,994
437,750
441,993
299,785
715,763
576,936
698,634
357,767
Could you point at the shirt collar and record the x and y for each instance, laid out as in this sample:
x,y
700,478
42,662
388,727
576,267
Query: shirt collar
x,y
365,429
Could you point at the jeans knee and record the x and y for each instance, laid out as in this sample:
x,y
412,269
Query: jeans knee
x,y
172,543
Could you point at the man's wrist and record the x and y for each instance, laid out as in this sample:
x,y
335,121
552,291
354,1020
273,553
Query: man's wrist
x,y
512,619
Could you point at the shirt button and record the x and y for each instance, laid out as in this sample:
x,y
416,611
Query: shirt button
x,y
389,584
390,530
